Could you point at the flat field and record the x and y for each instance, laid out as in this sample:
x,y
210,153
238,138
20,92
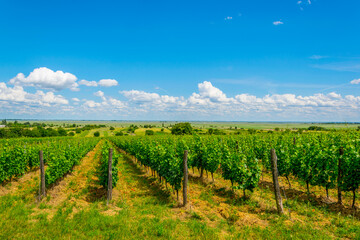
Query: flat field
x,y
200,124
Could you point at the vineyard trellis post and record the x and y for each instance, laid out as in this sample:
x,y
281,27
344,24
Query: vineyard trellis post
x,y
185,184
274,169
42,192
341,152
109,190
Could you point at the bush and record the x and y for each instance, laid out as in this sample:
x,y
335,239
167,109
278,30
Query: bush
x,y
182,129
119,134
252,131
96,134
112,128
71,134
61,131
149,132
316,128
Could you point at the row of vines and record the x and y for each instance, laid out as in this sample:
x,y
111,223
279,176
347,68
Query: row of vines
x,y
312,158
18,156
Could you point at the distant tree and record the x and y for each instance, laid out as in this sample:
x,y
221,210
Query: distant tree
x,y
96,134
61,131
119,134
316,128
149,132
210,131
251,131
182,129
132,128
3,122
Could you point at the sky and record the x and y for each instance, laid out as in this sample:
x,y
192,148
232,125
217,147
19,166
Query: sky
x,y
228,60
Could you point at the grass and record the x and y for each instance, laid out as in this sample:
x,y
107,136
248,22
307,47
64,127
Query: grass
x,y
142,208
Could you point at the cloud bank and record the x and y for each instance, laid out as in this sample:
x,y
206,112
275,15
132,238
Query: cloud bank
x,y
207,103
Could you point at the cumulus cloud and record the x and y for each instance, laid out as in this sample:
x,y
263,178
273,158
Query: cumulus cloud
x,y
228,18
88,83
91,104
141,97
108,104
46,79
18,95
108,82
102,82
276,23
207,103
210,101
355,81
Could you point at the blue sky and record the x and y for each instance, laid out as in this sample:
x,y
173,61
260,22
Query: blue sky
x,y
181,60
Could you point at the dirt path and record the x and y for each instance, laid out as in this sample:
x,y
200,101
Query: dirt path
x,y
69,189
212,202
22,183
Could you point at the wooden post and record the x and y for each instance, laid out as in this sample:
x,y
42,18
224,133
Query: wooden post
x,y
341,152
42,192
185,177
109,191
274,169
294,140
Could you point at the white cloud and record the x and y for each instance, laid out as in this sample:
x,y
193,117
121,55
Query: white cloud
x,y
108,82
91,104
46,79
355,81
228,18
317,57
100,94
18,95
276,23
142,97
210,101
207,103
88,83
302,3
207,94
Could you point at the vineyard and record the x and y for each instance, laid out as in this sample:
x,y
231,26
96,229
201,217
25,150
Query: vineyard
x,y
327,160
230,175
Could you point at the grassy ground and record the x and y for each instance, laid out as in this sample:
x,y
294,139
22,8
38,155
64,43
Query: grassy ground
x,y
143,208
